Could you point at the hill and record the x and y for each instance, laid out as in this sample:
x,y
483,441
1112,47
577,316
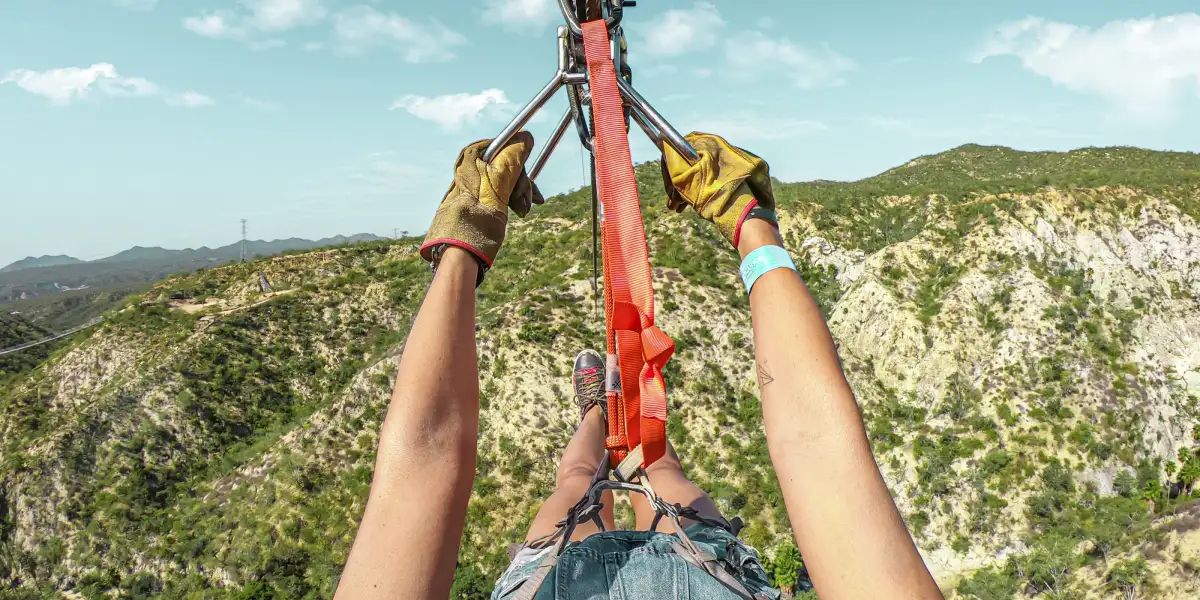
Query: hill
x,y
254,248
140,265
1022,345
14,331
64,310
30,262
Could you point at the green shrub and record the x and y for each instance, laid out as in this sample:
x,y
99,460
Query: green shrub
x,y
989,584
1131,578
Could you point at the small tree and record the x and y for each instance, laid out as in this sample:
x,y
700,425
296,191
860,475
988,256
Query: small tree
x,y
1112,520
1153,491
1131,578
1190,472
1104,534
1049,568
989,584
787,566
1125,484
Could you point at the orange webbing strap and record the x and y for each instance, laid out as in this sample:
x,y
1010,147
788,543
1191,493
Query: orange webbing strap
x,y
641,347
617,441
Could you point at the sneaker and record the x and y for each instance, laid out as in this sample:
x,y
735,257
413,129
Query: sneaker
x,y
588,378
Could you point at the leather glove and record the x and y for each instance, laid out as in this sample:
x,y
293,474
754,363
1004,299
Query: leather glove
x,y
474,212
723,186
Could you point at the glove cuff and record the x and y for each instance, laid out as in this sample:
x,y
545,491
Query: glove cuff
x,y
462,222
737,209
429,245
737,232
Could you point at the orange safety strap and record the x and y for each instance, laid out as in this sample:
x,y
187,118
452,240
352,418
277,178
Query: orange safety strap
x,y
637,413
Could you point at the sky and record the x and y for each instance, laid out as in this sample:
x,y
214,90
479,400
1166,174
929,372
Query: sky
x,y
165,122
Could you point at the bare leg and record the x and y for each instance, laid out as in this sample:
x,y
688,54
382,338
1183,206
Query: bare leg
x,y
579,463
669,482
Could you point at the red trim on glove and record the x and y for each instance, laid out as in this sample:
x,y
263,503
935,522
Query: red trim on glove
x,y
425,249
737,233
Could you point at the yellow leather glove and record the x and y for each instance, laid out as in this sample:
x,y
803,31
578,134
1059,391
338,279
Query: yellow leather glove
x,y
722,186
474,212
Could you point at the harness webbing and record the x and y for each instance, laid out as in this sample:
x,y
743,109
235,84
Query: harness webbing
x,y
637,412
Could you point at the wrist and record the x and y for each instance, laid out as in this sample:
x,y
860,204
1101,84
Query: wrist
x,y
460,262
757,233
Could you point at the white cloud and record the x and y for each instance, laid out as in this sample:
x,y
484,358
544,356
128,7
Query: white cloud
x,y
452,111
63,86
257,104
282,15
681,31
1144,66
753,53
362,27
189,99
526,16
355,30
257,18
741,126
137,4
217,25
67,85
128,86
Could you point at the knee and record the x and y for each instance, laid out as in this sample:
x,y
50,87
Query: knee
x,y
667,466
574,474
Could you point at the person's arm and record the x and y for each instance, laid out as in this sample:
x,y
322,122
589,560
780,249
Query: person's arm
x,y
407,544
854,542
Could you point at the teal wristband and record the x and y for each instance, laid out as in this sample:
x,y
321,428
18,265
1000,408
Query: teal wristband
x,y
762,260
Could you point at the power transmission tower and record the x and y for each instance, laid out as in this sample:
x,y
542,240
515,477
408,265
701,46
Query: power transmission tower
x,y
396,234
243,240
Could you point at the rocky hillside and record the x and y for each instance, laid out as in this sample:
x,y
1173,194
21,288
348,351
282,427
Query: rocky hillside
x,y
1022,331
16,330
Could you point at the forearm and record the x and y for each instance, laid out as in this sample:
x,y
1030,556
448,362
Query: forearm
x,y
854,542
435,404
426,459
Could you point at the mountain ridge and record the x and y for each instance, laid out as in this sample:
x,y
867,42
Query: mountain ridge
x,y
141,264
137,252
31,262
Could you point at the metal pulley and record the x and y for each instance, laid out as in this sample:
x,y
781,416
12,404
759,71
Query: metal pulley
x,y
572,73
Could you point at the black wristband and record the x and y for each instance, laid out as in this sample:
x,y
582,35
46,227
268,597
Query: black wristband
x,y
765,214
436,254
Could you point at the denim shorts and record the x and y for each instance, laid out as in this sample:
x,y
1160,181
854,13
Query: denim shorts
x,y
638,565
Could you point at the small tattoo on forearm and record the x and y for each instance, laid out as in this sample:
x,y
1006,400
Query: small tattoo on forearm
x,y
763,376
